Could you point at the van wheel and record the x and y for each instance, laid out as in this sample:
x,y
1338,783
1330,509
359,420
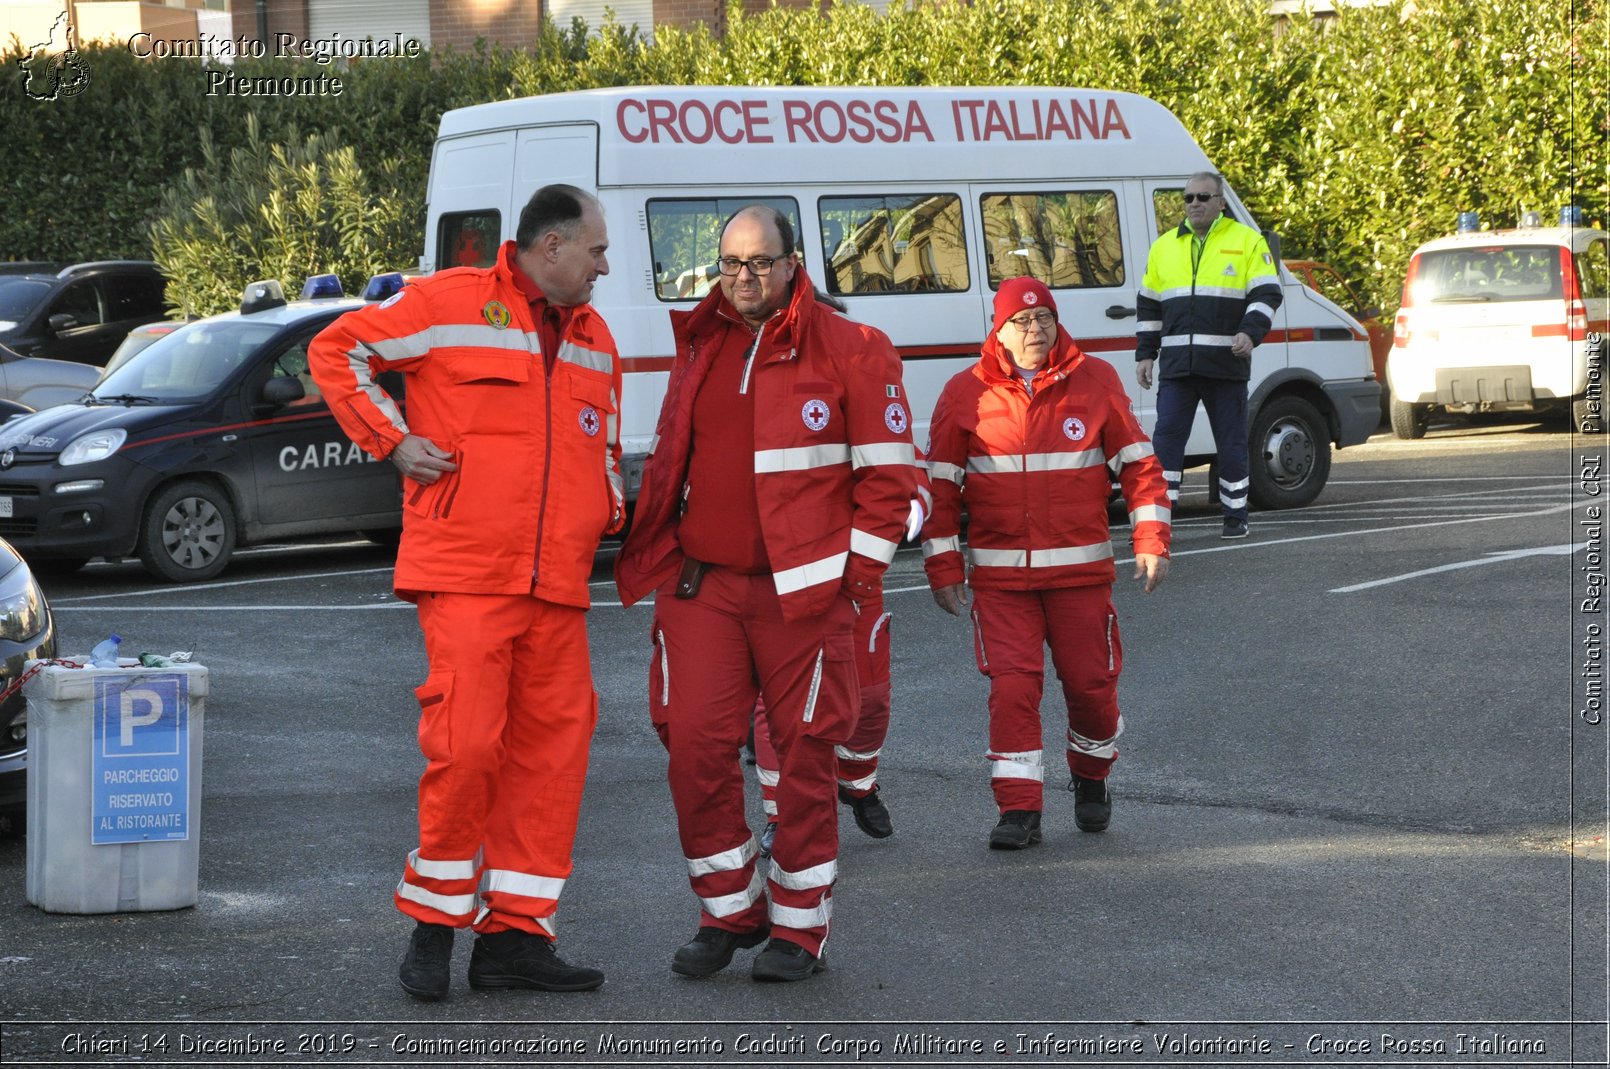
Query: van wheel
x,y
1290,454
188,533
1409,421
1587,418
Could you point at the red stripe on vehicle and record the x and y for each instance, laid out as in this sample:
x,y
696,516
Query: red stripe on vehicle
x,y
225,428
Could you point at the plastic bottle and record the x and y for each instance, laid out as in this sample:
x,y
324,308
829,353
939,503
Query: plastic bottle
x,y
104,655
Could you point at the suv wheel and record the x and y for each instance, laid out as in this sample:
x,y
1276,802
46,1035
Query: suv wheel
x,y
1409,421
188,532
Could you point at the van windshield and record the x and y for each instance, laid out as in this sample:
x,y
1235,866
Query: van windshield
x,y
188,364
1489,273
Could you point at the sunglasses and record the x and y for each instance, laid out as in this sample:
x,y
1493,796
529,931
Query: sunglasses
x,y
1199,198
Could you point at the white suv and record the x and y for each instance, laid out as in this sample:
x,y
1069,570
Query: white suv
x,y
1500,321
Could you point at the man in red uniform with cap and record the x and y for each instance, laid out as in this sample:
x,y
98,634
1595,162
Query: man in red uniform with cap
x,y
1025,440
781,481
511,473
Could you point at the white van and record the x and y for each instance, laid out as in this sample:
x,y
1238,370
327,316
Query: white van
x,y
912,205
1499,321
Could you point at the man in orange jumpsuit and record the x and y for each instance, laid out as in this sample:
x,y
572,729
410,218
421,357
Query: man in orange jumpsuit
x,y
1024,441
511,474
779,488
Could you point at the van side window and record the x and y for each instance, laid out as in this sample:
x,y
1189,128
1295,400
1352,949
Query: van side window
x,y
1066,240
906,243
1168,209
468,239
1593,271
684,238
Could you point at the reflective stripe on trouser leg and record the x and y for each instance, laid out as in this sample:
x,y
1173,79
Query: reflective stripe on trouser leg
x,y
858,758
707,719
1011,624
507,715
1176,409
1226,404
766,762
441,892
1088,656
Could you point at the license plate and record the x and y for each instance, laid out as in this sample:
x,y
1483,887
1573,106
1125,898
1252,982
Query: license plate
x,y
5,508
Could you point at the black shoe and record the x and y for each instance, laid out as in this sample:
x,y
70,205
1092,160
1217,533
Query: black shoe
x,y
871,815
768,837
522,959
1234,529
425,968
711,950
1018,828
783,961
1092,805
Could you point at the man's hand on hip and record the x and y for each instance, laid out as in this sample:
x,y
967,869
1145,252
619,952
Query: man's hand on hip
x,y
420,459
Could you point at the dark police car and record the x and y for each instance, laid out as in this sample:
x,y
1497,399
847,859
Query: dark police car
x,y
215,436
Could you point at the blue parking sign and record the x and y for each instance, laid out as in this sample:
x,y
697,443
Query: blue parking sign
x,y
140,776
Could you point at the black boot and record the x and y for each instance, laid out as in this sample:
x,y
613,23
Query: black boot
x,y
425,969
523,959
1018,828
711,950
1092,803
871,815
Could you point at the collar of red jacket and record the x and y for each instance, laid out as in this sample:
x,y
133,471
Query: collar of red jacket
x,y
996,361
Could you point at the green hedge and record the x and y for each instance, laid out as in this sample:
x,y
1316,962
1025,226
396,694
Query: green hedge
x,y
1356,138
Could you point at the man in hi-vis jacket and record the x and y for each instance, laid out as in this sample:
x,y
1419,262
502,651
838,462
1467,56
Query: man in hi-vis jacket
x,y
511,473
1207,300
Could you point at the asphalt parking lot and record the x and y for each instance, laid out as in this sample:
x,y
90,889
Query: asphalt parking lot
x,y
1359,820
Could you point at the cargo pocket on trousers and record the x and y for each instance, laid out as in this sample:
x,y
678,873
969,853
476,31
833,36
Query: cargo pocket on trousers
x,y
834,701
435,697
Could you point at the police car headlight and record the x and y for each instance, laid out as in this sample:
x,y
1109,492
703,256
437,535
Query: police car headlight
x,y
22,612
8,324
96,445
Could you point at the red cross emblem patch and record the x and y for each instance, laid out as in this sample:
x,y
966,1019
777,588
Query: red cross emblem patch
x,y
815,414
894,417
1074,428
589,421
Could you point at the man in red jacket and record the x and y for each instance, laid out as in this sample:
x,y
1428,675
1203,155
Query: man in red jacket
x,y
1024,440
780,484
511,473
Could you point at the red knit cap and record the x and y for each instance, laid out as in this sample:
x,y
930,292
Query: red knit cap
x,y
1017,294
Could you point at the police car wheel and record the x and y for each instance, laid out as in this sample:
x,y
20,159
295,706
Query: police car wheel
x,y
188,533
1290,447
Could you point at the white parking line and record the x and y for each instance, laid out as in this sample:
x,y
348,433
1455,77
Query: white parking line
x,y
1497,557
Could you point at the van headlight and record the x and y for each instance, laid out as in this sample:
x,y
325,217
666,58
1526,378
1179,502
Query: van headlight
x,y
96,445
22,606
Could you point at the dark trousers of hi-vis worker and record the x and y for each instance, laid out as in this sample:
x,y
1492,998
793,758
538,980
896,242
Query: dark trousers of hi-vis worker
x,y
1226,404
1011,629
858,757
716,653
506,717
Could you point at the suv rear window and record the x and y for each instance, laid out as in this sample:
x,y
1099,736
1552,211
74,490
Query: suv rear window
x,y
1487,273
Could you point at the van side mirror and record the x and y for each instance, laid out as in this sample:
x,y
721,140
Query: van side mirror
x,y
1273,240
283,390
61,321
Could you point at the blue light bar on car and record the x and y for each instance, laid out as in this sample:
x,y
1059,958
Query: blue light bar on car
x,y
1469,222
321,286
261,296
382,286
1571,215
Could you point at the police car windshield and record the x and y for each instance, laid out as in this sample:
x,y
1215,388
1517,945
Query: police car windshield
x,y
188,364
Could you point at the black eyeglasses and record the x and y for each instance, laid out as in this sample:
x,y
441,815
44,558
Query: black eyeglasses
x,y
759,266
1199,198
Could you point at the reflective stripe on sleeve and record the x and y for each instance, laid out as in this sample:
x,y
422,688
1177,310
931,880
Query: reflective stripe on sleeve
x,y
870,545
949,472
953,544
793,580
1133,452
800,458
1263,310
870,456
1154,513
572,353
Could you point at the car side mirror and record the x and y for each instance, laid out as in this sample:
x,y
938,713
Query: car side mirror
x,y
1272,239
1372,312
61,321
282,390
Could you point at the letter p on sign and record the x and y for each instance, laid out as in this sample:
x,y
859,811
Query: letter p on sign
x,y
141,707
